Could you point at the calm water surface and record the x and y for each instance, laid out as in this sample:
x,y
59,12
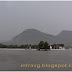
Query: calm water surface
x,y
12,59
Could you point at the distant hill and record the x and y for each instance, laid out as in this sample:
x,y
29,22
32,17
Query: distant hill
x,y
65,37
33,36
30,36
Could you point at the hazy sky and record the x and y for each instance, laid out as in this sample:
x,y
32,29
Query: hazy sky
x,y
48,17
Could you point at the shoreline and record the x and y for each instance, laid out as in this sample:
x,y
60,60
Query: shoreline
x,y
26,49
29,49
58,49
15,49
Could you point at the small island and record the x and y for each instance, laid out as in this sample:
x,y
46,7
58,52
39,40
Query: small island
x,y
44,46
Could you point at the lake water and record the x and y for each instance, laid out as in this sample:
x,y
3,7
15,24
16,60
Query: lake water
x,y
11,59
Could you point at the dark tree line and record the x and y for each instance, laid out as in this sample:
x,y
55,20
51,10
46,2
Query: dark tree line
x,y
41,45
27,46
56,46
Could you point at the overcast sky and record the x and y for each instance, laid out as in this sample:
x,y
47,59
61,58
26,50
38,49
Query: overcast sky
x,y
48,17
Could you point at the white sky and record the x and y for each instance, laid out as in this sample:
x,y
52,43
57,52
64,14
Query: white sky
x,y
48,17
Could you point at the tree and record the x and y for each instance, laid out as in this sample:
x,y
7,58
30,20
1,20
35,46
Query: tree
x,y
22,46
62,45
46,46
54,46
41,45
1,45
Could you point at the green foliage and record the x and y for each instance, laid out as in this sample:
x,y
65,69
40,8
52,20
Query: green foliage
x,y
46,46
62,45
41,44
34,46
56,46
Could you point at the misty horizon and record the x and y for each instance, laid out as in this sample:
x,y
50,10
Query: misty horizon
x,y
38,30
48,17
